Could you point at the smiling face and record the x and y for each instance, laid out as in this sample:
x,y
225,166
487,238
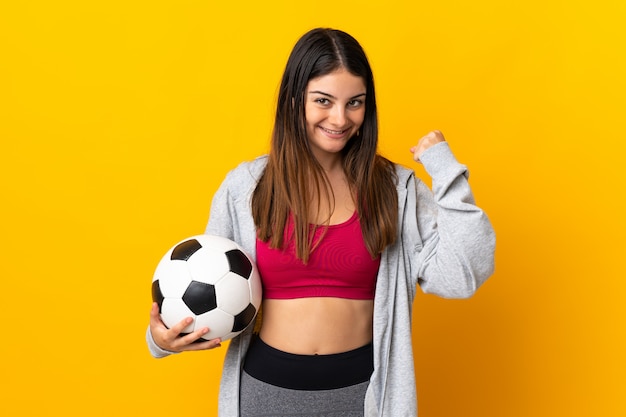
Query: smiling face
x,y
334,110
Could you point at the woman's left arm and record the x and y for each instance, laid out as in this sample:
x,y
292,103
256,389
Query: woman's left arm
x,y
458,240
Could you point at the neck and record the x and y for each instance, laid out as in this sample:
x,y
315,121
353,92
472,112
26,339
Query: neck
x,y
331,163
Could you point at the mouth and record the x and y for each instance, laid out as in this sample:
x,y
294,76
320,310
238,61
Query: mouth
x,y
334,132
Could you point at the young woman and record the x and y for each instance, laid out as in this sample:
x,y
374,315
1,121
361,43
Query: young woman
x,y
342,238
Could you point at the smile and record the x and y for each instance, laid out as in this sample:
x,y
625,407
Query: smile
x,y
333,132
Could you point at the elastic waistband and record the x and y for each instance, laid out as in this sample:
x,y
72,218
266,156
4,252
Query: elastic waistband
x,y
309,372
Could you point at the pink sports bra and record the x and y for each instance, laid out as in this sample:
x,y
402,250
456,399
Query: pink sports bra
x,y
340,266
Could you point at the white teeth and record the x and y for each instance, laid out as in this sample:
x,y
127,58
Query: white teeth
x,y
333,132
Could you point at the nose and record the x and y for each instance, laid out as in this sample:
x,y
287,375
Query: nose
x,y
338,116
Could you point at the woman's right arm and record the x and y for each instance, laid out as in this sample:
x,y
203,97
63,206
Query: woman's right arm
x,y
162,341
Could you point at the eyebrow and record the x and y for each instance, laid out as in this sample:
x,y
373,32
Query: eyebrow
x,y
331,96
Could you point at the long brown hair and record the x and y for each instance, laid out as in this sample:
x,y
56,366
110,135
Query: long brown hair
x,y
292,168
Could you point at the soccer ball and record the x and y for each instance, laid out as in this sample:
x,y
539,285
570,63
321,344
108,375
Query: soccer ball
x,y
211,279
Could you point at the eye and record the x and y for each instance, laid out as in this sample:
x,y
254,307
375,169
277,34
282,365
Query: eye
x,y
322,100
355,103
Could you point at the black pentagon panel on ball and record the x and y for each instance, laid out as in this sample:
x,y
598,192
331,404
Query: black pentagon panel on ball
x,y
200,297
157,295
184,250
239,263
244,318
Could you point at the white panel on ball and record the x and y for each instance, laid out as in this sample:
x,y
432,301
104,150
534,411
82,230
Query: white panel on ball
x,y
219,323
176,312
208,265
218,243
228,291
174,277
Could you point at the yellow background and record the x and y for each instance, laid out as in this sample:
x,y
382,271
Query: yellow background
x,y
118,120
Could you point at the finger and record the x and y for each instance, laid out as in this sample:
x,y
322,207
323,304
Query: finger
x,y
194,341
155,316
170,337
417,151
180,326
437,136
154,311
209,344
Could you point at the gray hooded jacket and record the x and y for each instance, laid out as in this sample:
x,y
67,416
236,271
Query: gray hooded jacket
x,y
445,245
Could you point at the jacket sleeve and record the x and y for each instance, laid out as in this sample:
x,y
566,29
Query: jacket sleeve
x,y
458,241
222,212
231,215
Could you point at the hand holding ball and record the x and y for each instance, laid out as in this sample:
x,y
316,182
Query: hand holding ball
x,y
212,280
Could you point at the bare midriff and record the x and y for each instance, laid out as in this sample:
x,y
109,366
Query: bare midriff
x,y
317,325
